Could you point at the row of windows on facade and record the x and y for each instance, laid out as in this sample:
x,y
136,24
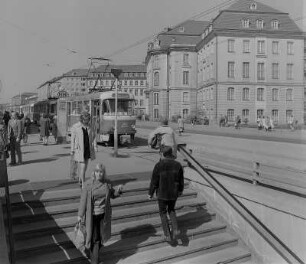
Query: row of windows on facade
x,y
125,74
259,114
122,83
261,71
261,47
140,102
185,60
185,80
245,96
185,98
260,23
185,113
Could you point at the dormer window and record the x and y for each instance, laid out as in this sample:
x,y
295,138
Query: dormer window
x,y
275,24
181,29
253,6
259,24
245,23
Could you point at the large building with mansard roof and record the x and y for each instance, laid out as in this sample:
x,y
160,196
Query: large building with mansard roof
x,y
247,61
250,63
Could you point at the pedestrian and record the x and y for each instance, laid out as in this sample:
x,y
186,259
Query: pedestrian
x,y
39,124
168,182
225,121
83,145
291,122
26,130
53,128
165,135
180,123
3,136
45,129
6,117
237,122
14,136
222,121
95,206
20,117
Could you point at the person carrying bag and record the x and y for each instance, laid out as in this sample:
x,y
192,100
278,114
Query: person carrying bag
x,y
95,211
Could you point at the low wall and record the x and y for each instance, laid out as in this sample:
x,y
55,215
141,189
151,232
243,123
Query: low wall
x,y
283,214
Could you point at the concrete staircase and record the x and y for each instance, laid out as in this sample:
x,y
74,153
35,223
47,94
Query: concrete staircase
x,y
43,223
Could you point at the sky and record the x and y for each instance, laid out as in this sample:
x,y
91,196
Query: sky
x,y
42,39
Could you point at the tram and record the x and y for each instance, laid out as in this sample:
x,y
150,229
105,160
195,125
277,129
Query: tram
x,y
101,106
28,110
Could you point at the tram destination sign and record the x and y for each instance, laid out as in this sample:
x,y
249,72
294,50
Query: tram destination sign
x,y
121,95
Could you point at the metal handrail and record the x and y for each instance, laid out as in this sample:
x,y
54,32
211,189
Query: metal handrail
x,y
284,251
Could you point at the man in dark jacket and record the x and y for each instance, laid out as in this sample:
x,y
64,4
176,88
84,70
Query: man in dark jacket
x,y
168,182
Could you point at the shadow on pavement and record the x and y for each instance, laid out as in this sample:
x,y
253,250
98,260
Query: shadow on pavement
x,y
128,245
27,152
195,219
16,182
62,155
122,156
38,161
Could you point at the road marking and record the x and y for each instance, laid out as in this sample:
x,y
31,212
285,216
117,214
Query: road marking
x,y
64,250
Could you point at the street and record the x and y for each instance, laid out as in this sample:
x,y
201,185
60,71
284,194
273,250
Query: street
x,y
51,163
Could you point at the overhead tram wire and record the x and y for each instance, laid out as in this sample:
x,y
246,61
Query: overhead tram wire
x,y
202,14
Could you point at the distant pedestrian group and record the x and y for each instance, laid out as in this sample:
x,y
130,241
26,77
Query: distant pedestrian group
x,y
265,123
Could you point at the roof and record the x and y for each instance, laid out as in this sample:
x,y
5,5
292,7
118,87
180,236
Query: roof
x,y
55,79
26,94
76,73
188,27
187,33
231,17
168,40
244,6
124,68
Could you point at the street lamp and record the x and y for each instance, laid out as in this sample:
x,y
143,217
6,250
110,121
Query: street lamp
x,y
116,73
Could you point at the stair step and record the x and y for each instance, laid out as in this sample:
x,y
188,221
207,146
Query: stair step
x,y
67,224
29,214
158,255
169,253
228,255
152,238
41,198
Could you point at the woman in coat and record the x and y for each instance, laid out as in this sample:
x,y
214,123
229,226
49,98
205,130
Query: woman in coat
x,y
45,128
83,144
95,206
53,127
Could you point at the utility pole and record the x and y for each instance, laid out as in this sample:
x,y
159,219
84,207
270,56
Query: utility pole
x,y
116,73
168,87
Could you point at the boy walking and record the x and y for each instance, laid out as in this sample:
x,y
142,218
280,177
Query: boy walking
x,y
168,182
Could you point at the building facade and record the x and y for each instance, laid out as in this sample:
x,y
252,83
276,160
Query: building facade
x,y
250,63
172,71
132,80
73,82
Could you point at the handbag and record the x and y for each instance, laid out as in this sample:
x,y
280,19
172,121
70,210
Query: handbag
x,y
80,236
73,169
